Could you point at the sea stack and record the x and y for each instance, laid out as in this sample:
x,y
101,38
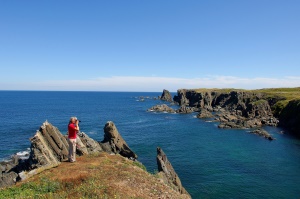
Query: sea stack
x,y
166,96
167,172
114,143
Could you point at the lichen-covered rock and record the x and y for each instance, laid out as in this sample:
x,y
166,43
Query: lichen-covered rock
x,y
166,96
167,172
162,108
114,143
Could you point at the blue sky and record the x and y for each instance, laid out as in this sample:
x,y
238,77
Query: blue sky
x,y
134,45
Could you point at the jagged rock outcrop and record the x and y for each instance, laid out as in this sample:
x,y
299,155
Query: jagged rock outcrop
x,y
203,113
114,143
166,96
167,172
86,145
162,108
48,149
263,133
181,98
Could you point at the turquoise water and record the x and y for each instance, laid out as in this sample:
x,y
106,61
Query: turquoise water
x,y
211,162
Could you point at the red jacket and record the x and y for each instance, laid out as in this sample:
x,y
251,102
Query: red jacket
x,y
72,131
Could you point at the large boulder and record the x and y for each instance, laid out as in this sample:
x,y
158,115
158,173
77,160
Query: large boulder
x,y
167,172
8,179
114,143
166,96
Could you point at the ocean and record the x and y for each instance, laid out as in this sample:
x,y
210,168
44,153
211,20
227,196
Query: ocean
x,y
211,162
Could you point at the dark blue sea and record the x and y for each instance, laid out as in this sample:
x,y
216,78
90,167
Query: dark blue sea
x,y
211,162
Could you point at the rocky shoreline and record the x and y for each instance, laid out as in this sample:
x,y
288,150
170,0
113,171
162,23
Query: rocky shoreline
x,y
49,148
239,109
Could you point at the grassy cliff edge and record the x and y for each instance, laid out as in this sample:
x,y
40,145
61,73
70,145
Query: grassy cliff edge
x,y
94,176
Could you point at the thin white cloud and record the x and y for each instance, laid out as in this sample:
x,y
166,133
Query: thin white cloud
x,y
153,83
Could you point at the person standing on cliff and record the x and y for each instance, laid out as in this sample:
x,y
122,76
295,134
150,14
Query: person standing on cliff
x,y
73,128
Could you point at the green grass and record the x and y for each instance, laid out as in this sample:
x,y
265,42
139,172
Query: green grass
x,y
140,165
31,189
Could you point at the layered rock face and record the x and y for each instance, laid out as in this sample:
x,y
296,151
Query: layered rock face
x,y
167,172
48,148
114,143
166,96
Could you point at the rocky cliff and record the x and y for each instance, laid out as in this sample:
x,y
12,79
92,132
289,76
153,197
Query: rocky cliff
x,y
289,117
246,108
49,149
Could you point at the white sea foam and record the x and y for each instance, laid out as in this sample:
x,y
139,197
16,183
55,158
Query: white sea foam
x,y
23,154
92,133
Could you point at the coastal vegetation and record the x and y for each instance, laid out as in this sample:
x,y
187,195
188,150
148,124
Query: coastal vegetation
x,y
93,176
